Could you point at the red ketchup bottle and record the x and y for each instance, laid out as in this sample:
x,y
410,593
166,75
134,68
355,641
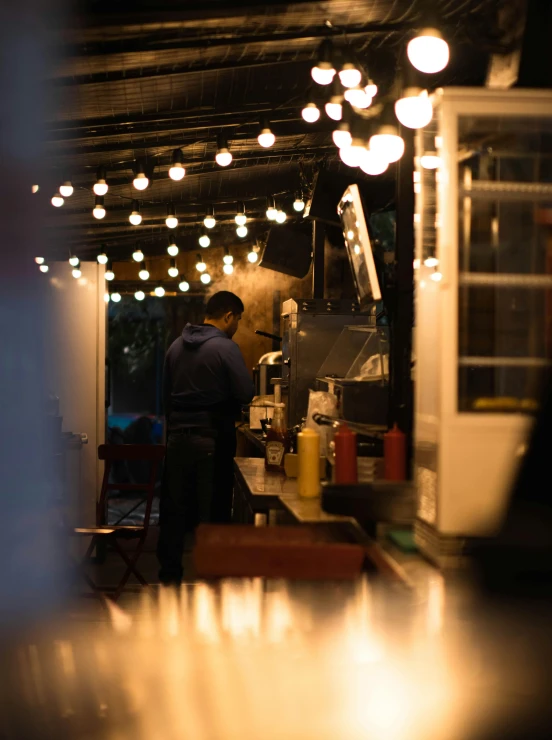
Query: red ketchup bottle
x,y
394,454
345,442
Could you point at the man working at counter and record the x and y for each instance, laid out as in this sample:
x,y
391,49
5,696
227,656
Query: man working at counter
x,y
204,384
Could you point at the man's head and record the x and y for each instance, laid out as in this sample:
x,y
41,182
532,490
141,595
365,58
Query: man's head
x,y
224,310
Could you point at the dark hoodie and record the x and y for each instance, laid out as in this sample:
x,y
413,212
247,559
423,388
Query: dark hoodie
x,y
204,375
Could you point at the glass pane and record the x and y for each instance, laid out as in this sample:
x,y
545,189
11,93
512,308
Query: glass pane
x,y
500,389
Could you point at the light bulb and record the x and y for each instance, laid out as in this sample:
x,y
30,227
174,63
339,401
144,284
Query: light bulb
x,y
140,182
77,273
99,209
240,219
107,297
43,268
116,297
431,262
66,189
200,265
334,110
323,75
437,276
298,204
102,258
311,113
74,261
159,291
227,259
371,89
143,274
266,138
209,222
349,75
138,255
35,189
281,217
39,260
184,286
252,257
414,109
139,295
353,155
241,231
205,278
342,138
357,97
177,172
57,200
171,220
100,187
109,274
204,241
135,217
172,249
430,160
428,52
388,144
228,269
173,272
373,163
223,157
271,213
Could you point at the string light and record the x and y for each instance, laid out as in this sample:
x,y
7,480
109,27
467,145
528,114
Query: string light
x,y
271,209
107,297
349,75
227,259
171,220
204,241
77,272
144,273
35,189
74,261
100,187
387,143
173,270
266,138
334,108
159,291
57,200
431,262
357,97
39,260
341,135
353,155
184,285
44,268
299,203
228,269
324,71
138,255
205,278
428,52
281,217
224,155
240,218
430,160
436,276
252,256
311,113
109,274
241,231
172,249
414,109
209,221
373,163
135,217
200,264
177,171
140,181
99,209
371,89
66,190
139,295
102,258
116,297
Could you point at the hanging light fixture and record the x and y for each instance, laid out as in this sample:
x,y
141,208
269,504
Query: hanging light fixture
x,y
209,221
227,259
241,231
200,264
334,107
39,260
431,262
74,261
135,217
252,256
44,268
430,160
171,220
172,249
139,295
57,200
102,258
173,270
357,97
144,273
341,135
281,217
228,269
138,255
428,51
299,203
184,285
141,181
159,291
311,113
224,155
324,71
205,278
100,187
354,154
371,89
99,209
414,109
204,240
387,143
350,75
271,209
373,163
176,170
66,190
240,218
109,274
266,138
116,297
77,272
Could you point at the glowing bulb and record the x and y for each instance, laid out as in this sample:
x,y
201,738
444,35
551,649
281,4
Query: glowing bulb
x,y
281,217
209,222
102,258
204,241
177,172
357,248
74,261
371,89
116,297
109,274
428,52
414,109
135,217
353,155
357,97
205,278
298,204
223,157
77,273
173,272
252,257
100,187
57,200
240,219
350,234
430,161
271,213
39,260
416,264
139,295
66,189
138,255
99,211
323,73
227,259
143,274
266,138
201,266
172,249
311,113
159,291
431,262
171,220
373,163
228,269
36,188
388,144
184,286
342,138
334,110
107,297
140,182
436,276
241,231
43,268
349,75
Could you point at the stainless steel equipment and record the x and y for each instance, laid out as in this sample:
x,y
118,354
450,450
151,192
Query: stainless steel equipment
x,y
269,366
311,326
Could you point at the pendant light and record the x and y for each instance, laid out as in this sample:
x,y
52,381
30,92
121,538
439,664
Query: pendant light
x,y
371,89
99,209
159,291
183,285
209,221
144,273
139,295
223,156
311,113
109,274
373,163
334,106
299,203
100,187
357,97
204,240
77,273
240,218
138,255
241,231
324,71
116,297
414,108
205,278
428,51
271,210
281,217
173,270
141,181
266,138
57,200
252,256
44,268
386,141
200,264
227,259
172,249
354,154
135,217
349,74
430,160
66,190
102,258
176,170
171,220
39,260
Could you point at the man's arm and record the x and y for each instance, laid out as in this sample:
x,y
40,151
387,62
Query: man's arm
x,y
241,385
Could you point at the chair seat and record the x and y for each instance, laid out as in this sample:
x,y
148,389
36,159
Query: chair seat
x,y
119,530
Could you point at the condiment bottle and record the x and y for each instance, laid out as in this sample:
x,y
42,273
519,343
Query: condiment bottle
x,y
308,453
277,442
394,454
346,470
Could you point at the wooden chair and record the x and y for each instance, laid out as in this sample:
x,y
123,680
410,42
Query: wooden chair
x,y
111,534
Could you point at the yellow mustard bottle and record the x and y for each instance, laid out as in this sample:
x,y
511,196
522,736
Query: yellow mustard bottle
x,y
308,454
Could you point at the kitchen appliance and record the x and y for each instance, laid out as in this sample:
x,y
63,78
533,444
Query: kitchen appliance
x,y
268,367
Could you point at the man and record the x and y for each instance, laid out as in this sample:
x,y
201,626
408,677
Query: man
x,y
205,383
